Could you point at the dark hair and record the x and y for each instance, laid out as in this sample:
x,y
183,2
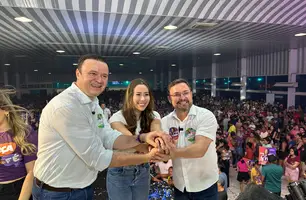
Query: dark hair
x,y
296,153
272,158
88,56
249,144
146,116
177,81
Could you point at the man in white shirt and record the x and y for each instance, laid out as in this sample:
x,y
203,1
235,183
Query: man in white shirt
x,y
193,129
106,112
75,141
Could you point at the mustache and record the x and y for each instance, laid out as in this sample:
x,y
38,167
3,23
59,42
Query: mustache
x,y
180,101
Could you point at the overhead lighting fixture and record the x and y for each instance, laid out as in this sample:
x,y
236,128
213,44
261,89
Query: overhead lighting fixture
x,y
300,34
170,27
22,19
7,64
60,51
136,53
217,54
35,70
121,64
75,64
151,70
140,72
49,73
173,65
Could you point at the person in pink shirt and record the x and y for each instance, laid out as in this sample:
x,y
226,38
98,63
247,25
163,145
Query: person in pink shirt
x,y
243,173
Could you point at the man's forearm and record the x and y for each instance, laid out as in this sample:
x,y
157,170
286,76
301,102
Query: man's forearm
x,y
192,151
124,142
125,159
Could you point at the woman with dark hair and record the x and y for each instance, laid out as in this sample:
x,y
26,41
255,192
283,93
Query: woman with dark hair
x,y
292,163
137,116
18,145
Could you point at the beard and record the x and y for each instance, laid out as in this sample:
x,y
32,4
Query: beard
x,y
183,105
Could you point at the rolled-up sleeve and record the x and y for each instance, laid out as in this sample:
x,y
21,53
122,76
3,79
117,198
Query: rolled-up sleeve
x,y
74,127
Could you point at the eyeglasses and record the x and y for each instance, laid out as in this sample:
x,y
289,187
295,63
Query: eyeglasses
x,y
178,95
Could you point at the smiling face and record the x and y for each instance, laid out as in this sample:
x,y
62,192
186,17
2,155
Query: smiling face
x,y
92,77
180,97
141,97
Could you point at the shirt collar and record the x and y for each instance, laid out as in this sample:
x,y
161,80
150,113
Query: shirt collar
x,y
192,112
82,97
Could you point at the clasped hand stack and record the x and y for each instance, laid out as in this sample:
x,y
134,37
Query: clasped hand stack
x,y
158,145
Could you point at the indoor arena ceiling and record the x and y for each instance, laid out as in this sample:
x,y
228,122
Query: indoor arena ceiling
x,y
117,28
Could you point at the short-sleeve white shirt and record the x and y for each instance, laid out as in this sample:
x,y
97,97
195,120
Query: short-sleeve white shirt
x,y
195,174
118,117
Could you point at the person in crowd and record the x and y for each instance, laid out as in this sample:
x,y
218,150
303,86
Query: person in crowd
x,y
256,174
249,152
106,112
193,130
163,167
222,193
136,117
225,161
272,175
292,163
303,154
76,141
18,148
222,175
243,176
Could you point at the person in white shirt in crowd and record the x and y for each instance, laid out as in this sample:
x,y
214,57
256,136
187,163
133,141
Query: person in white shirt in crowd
x,y
193,129
75,141
136,117
164,166
106,112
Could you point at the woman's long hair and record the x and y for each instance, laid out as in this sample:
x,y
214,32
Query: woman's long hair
x,y
128,109
19,129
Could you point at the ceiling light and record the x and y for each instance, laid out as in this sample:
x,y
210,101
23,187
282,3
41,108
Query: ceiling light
x,y
121,64
49,73
7,64
35,70
170,27
75,64
110,72
300,34
217,54
136,53
151,70
140,72
173,65
60,51
22,19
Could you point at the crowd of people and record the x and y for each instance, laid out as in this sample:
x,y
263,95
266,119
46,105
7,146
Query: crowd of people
x,y
78,137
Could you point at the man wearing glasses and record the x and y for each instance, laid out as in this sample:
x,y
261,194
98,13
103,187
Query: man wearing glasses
x,y
193,129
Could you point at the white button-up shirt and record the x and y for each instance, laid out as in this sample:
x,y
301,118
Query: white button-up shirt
x,y
194,174
75,140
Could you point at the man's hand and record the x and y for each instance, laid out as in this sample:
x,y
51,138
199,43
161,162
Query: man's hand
x,y
160,157
165,141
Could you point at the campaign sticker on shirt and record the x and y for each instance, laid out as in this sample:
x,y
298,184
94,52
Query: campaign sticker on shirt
x,y
100,120
174,133
190,134
10,160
